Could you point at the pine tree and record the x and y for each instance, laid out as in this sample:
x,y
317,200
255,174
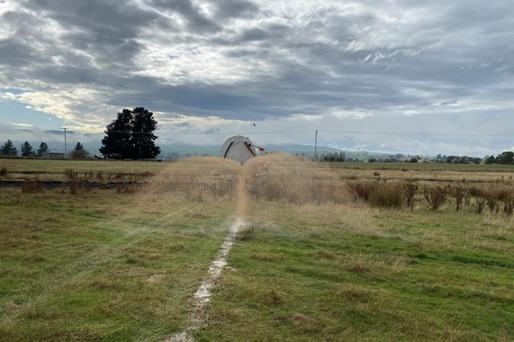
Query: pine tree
x,y
26,149
8,149
131,136
43,148
79,152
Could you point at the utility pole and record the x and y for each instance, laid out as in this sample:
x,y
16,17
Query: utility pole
x,y
315,157
65,144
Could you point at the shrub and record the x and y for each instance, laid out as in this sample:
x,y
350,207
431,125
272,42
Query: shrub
x,y
99,176
77,187
382,194
3,172
492,198
410,190
458,193
480,204
435,196
70,174
126,188
388,195
508,205
32,186
275,188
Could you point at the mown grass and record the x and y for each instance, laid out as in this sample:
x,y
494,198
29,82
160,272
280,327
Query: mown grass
x,y
319,263
103,265
320,274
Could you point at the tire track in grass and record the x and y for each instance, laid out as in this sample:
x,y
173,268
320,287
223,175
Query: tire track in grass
x,y
202,296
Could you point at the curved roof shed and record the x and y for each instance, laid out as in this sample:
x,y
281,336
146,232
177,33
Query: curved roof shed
x,y
240,149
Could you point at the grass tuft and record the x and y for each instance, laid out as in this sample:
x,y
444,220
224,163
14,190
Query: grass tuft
x,y
32,186
381,194
272,298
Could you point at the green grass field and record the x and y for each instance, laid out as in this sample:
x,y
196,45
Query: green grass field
x,y
319,264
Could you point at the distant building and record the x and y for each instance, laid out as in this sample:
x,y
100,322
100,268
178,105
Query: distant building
x,y
53,155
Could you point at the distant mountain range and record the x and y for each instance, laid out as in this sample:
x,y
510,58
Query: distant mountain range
x,y
214,150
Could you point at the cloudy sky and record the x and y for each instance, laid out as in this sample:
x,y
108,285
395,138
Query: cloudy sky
x,y
420,77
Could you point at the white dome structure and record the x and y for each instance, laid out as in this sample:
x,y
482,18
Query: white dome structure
x,y
240,149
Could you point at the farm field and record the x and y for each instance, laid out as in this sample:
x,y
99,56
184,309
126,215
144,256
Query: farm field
x,y
328,252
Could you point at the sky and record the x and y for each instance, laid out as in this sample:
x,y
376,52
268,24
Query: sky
x,y
398,76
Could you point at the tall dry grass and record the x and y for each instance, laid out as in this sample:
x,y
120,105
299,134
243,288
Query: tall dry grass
x,y
385,194
284,178
189,185
32,185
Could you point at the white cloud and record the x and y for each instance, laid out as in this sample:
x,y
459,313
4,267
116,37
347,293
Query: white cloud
x,y
21,124
290,66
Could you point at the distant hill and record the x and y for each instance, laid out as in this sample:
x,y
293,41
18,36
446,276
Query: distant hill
x,y
180,150
176,151
92,143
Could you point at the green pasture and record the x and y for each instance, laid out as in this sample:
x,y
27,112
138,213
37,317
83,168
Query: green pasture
x,y
108,265
383,275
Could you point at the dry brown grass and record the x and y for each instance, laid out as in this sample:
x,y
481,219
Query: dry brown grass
x,y
425,173
32,185
197,179
4,172
284,178
193,189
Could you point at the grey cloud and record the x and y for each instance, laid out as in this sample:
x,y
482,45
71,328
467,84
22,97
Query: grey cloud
x,y
65,75
106,30
449,103
103,31
270,33
17,51
110,20
254,34
23,25
182,124
198,22
379,59
15,54
235,8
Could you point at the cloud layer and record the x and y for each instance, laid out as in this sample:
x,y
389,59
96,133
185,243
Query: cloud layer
x,y
417,77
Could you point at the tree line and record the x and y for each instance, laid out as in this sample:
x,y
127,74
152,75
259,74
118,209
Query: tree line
x,y
129,136
505,158
8,149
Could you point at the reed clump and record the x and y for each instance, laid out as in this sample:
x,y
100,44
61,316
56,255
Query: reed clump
x,y
435,196
394,195
32,185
